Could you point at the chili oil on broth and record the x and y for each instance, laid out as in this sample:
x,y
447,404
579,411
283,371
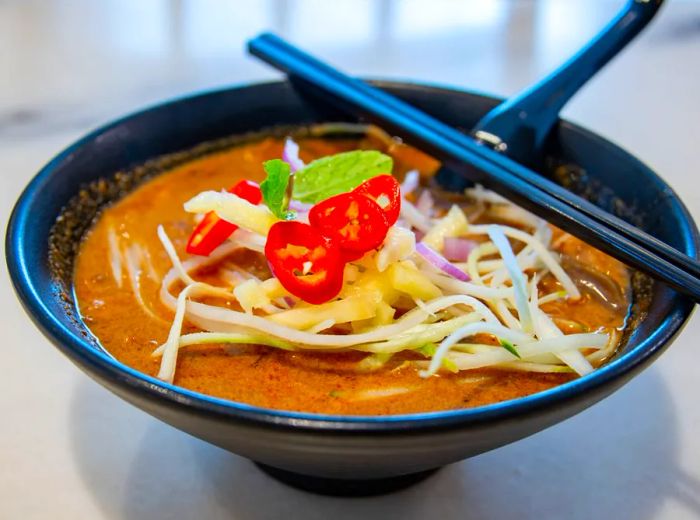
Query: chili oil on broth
x,y
301,381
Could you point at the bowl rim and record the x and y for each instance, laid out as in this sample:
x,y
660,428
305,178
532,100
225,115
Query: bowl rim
x,y
105,367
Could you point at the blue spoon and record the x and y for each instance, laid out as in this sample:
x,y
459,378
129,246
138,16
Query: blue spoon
x,y
520,126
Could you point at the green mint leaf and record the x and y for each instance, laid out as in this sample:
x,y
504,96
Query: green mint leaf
x,y
509,347
338,173
274,187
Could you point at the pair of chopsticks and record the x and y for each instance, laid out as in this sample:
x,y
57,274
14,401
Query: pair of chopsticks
x,y
479,163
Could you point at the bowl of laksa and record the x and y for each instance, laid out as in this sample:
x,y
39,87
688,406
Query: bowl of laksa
x,y
318,296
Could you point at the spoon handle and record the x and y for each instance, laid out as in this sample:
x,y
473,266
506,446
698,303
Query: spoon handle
x,y
520,125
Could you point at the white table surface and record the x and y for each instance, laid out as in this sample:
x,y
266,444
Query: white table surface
x,y
69,449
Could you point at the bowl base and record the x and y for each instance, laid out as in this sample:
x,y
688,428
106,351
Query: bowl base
x,y
345,487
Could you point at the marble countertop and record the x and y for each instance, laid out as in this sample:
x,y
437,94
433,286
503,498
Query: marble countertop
x,y
70,449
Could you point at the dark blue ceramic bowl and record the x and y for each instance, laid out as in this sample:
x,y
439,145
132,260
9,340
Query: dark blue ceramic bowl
x,y
335,453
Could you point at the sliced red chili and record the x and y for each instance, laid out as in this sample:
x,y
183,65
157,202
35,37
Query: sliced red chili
x,y
351,256
212,230
385,190
305,262
355,222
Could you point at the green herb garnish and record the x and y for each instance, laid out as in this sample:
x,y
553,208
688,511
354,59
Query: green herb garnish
x,y
509,347
428,350
274,188
338,173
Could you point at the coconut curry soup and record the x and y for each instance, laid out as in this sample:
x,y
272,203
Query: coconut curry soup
x,y
332,275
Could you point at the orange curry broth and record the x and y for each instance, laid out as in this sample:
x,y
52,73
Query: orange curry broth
x,y
262,376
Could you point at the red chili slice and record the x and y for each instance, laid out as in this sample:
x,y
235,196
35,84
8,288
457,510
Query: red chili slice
x,y
212,231
385,191
355,222
305,262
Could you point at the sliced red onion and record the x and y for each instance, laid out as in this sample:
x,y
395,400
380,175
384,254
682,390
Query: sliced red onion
x,y
410,182
458,249
440,262
290,155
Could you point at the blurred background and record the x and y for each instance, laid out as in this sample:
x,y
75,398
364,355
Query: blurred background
x,y
68,449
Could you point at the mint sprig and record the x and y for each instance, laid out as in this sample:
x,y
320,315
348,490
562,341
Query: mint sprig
x,y
274,188
338,173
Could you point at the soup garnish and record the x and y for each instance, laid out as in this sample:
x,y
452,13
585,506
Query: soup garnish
x,y
338,262
347,231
